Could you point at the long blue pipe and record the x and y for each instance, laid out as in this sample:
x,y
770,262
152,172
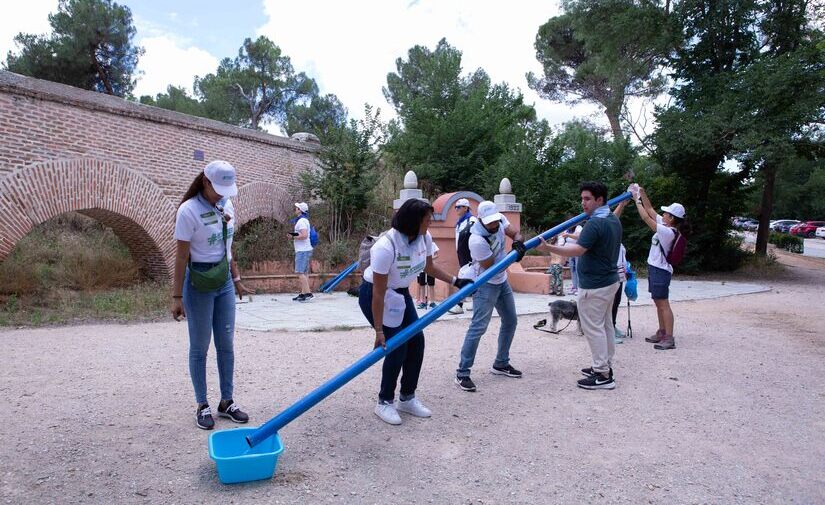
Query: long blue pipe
x,y
330,284
307,402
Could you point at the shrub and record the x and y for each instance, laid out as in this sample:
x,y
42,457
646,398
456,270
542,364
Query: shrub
x,y
787,242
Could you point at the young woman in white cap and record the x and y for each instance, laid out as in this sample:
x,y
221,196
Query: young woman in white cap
x,y
659,272
396,259
205,282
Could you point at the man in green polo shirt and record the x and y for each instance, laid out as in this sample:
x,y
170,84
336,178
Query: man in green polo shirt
x,y
598,249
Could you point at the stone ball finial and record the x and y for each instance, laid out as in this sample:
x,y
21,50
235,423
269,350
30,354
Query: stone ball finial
x,y
305,137
505,188
410,180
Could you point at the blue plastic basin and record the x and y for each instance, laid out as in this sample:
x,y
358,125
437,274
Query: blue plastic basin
x,y
236,462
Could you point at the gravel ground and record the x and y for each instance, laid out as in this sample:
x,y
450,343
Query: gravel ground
x,y
104,414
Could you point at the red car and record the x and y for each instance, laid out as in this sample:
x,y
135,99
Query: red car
x,y
806,228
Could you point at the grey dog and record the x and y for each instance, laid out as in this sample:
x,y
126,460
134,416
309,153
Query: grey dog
x,y
563,309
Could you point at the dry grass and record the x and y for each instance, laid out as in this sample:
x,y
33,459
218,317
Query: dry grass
x,y
72,268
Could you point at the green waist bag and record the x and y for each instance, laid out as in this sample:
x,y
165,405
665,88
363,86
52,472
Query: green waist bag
x,y
215,277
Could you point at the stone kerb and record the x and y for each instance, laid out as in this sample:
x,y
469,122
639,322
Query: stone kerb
x,y
133,206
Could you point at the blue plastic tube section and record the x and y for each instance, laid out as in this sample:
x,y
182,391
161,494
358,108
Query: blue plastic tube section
x,y
330,284
316,396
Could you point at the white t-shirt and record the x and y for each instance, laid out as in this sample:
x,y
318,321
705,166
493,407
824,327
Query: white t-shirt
x,y
482,247
577,231
199,223
621,264
392,254
303,244
664,236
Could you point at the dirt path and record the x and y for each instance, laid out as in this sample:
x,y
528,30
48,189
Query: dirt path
x,y
736,414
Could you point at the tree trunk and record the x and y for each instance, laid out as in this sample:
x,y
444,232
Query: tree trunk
x,y
103,77
765,210
615,126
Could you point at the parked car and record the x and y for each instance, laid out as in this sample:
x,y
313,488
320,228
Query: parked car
x,y
783,225
806,228
749,225
820,232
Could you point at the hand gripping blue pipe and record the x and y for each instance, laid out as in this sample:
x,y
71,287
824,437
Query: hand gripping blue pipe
x,y
307,402
330,284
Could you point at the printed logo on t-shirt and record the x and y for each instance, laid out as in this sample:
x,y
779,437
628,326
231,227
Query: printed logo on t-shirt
x,y
405,271
208,214
218,237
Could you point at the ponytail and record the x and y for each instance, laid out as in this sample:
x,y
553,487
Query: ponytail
x,y
195,188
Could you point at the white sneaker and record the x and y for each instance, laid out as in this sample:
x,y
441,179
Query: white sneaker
x,y
455,309
387,413
413,407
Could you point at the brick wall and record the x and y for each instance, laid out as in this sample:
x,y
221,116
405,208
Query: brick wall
x,y
126,164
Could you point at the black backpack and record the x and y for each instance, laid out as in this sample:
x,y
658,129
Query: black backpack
x,y
463,247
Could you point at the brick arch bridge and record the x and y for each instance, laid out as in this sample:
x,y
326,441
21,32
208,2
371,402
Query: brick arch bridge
x,y
126,165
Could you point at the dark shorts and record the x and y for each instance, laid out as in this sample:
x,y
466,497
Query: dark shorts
x,y
423,279
658,282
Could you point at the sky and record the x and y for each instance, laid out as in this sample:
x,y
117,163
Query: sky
x,y
348,47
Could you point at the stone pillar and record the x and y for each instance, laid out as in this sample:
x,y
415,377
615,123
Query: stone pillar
x,y
520,280
409,192
506,204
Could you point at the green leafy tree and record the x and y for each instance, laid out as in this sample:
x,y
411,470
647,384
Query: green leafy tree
x,y
347,171
696,131
603,51
90,47
176,99
781,98
450,128
322,116
258,86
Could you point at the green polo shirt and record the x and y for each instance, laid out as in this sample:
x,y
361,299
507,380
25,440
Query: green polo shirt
x,y
601,236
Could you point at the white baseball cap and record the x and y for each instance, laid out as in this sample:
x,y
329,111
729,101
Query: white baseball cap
x,y
675,210
487,212
222,176
462,202
302,206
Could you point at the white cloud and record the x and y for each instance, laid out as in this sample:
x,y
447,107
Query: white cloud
x,y
169,61
31,18
349,47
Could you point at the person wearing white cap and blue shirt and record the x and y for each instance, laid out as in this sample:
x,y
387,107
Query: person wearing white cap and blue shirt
x,y
465,220
206,279
487,248
665,229
303,250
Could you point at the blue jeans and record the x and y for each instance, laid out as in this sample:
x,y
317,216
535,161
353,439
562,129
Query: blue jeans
x,y
408,357
208,313
489,296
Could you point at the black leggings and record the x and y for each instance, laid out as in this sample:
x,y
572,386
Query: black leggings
x,y
616,301
408,357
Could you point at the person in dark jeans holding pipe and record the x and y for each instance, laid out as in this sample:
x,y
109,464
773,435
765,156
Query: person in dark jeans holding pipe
x,y
396,259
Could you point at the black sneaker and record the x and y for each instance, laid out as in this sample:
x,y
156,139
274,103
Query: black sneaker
x,y
230,409
597,381
465,383
587,372
508,370
204,418
307,297
299,298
